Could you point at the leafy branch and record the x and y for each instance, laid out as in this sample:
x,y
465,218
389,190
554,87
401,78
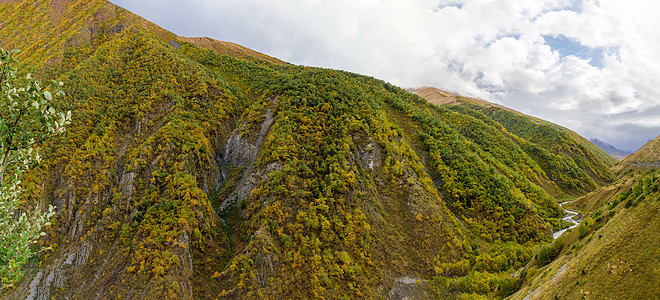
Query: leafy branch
x,y
28,120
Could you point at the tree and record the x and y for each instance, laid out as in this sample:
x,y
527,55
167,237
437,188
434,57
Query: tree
x,y
26,120
544,256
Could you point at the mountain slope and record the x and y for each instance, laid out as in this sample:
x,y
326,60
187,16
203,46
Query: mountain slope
x,y
646,156
225,48
389,164
439,97
44,30
131,179
189,173
614,255
569,153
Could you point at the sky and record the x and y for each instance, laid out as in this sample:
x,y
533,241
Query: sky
x,y
590,65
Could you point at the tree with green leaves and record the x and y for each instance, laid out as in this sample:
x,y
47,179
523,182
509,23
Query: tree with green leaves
x,y
27,119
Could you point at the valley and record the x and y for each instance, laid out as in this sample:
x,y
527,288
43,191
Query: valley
x,y
201,169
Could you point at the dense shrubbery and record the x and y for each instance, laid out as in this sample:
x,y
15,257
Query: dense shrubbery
x,y
548,253
323,109
141,152
575,167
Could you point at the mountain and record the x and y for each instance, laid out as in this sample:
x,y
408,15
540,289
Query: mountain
x,y
647,156
609,149
613,253
195,168
559,140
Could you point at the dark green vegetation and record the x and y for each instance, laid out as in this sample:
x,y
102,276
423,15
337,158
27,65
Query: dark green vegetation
x,y
188,173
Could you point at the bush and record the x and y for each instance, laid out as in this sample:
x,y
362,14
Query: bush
x,y
508,286
544,257
583,230
556,247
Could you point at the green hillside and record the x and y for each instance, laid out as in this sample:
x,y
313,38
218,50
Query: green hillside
x,y
646,157
613,254
538,130
189,173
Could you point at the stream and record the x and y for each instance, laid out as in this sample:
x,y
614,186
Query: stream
x,y
569,217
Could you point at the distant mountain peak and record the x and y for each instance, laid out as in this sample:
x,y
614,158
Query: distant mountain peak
x,y
609,149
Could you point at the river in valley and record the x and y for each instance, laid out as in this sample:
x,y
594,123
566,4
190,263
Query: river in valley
x,y
570,215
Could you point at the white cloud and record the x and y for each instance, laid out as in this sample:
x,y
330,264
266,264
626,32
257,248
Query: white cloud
x,y
493,49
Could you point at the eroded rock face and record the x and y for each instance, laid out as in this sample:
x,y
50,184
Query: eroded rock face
x,y
408,288
266,263
368,152
126,184
56,275
185,267
88,272
240,152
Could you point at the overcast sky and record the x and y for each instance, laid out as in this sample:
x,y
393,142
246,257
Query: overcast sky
x,y
592,66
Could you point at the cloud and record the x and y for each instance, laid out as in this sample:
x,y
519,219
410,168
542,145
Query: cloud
x,y
589,65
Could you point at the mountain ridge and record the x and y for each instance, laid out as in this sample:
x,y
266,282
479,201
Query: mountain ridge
x,y
74,23
440,97
647,154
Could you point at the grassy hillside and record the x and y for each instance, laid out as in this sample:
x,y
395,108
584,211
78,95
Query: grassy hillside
x,y
613,254
190,173
646,157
